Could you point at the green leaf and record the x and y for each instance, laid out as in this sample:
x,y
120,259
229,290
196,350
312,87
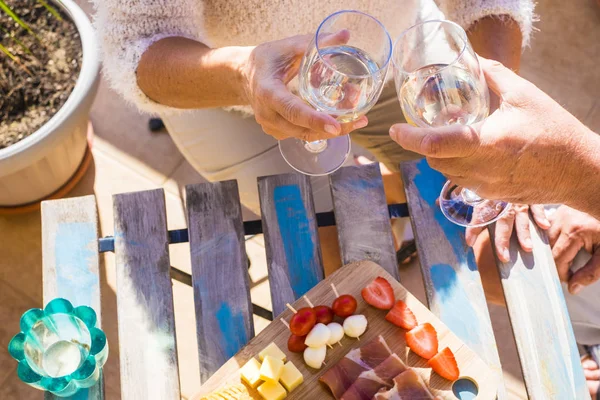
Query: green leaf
x,y
7,10
51,9
15,59
21,44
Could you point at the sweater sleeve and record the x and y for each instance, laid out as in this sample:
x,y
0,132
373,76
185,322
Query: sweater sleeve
x,y
128,27
465,12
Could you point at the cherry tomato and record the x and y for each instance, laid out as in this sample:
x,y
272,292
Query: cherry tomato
x,y
344,306
296,343
324,314
303,321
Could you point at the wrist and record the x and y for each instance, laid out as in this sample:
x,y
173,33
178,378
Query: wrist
x,y
240,58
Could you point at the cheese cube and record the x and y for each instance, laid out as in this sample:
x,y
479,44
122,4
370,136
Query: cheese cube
x,y
271,369
273,351
250,372
272,391
290,377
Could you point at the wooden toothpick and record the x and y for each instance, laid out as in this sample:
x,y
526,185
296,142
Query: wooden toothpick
x,y
335,290
285,323
291,308
308,301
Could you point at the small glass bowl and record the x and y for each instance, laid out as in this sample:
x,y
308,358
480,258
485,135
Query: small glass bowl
x,y
59,348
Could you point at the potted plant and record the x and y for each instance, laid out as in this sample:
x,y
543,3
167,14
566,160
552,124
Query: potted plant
x,y
49,68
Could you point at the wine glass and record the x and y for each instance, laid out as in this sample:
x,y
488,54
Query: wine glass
x,y
439,82
343,78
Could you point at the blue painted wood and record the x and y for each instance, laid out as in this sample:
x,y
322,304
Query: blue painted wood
x,y
292,244
70,262
362,216
540,321
219,272
452,280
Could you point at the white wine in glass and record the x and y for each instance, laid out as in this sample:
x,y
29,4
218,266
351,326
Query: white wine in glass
x,y
342,74
439,82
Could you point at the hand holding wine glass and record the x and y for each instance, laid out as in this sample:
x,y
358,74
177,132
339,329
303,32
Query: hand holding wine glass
x,y
439,84
281,114
342,78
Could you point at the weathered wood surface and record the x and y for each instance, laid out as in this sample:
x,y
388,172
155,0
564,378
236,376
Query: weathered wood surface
x,y
70,262
293,250
219,273
452,280
351,279
149,368
540,321
362,217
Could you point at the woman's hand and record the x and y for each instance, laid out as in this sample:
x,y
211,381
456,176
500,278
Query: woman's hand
x,y
270,67
516,217
572,231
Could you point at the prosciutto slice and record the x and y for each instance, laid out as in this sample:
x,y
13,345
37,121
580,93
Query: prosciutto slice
x,y
407,386
342,375
371,381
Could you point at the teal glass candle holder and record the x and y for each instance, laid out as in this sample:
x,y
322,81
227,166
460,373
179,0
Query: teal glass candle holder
x,y
59,348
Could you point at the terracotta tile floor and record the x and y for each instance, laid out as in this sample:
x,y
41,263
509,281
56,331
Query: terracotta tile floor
x,y
562,60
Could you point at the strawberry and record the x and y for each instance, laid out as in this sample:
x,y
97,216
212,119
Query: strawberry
x,y
423,340
379,294
445,365
400,315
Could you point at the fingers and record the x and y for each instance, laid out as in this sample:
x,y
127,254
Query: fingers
x,y
500,79
522,227
504,228
293,109
471,235
331,39
444,142
588,363
539,216
586,275
592,374
564,251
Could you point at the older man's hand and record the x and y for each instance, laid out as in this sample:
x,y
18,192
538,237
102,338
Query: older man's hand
x,y
523,152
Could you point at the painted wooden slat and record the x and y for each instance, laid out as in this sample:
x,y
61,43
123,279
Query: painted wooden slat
x,y
148,350
70,262
219,273
293,250
452,280
540,321
362,217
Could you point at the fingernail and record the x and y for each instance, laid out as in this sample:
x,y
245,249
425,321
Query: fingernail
x,y
576,288
332,129
528,243
505,255
471,240
360,124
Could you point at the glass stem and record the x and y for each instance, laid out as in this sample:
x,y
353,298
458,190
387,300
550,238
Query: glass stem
x,y
315,147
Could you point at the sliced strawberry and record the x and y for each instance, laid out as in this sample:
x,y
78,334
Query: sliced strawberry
x,y
423,340
445,365
400,315
379,294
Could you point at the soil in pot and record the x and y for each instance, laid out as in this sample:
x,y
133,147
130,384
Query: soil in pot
x,y
35,86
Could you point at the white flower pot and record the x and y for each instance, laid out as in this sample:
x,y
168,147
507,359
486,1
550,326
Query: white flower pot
x,y
42,163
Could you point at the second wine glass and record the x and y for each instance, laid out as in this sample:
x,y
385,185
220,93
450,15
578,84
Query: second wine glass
x,y
439,82
342,74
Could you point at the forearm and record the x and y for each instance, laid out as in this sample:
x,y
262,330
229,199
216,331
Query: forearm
x,y
184,73
498,38
584,189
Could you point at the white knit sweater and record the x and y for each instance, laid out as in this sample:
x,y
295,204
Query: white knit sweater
x,y
128,27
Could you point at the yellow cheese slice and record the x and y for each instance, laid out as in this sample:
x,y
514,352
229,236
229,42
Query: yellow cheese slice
x,y
271,369
250,372
272,391
273,351
290,377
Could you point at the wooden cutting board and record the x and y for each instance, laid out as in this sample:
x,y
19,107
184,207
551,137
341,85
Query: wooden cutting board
x,y
351,279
